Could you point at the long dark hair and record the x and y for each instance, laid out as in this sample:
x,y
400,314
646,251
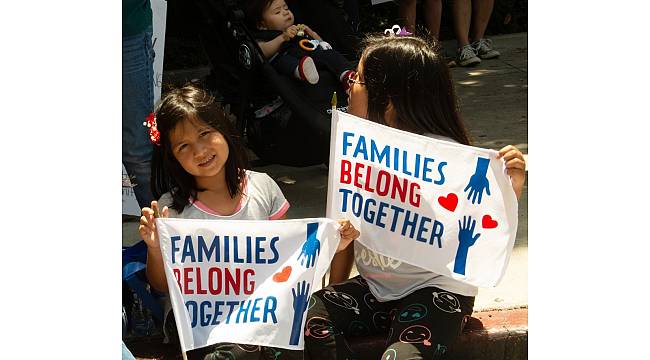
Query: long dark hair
x,y
412,74
191,103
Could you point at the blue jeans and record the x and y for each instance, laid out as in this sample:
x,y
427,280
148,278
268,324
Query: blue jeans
x,y
137,103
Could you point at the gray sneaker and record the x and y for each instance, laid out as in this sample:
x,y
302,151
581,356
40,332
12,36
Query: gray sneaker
x,y
466,56
484,49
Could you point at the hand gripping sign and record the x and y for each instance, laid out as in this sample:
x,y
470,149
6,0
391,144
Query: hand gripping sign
x,y
442,206
245,282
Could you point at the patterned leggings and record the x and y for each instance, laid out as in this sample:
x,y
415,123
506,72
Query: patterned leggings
x,y
229,351
419,326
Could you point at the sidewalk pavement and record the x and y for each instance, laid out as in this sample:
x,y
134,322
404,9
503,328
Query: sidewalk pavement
x,y
493,100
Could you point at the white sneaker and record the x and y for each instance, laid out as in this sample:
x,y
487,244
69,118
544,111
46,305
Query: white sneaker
x,y
484,49
466,56
307,70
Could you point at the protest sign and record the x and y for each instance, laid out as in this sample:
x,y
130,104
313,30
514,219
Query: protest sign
x,y
442,206
245,282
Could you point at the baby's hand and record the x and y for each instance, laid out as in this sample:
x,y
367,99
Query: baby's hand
x,y
348,234
290,32
147,226
312,33
515,167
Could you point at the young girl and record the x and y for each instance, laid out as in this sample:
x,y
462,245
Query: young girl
x,y
200,169
402,82
277,34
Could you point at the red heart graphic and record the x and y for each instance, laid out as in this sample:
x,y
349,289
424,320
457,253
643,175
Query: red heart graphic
x,y
449,202
283,275
488,223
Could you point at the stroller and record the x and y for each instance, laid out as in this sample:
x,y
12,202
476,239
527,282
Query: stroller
x,y
284,120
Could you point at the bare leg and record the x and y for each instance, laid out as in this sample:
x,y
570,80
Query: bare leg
x,y
461,11
432,15
407,13
481,12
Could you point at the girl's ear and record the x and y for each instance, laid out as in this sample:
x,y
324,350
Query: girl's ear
x,y
261,25
390,116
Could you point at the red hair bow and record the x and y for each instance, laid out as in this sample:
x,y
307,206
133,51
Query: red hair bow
x,y
154,134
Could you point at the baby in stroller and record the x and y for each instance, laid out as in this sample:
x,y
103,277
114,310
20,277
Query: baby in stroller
x,y
293,49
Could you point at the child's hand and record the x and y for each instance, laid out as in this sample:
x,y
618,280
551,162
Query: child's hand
x,y
348,234
290,32
515,167
312,33
147,226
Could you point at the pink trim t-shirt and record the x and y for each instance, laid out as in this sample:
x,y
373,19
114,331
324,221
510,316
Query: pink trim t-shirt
x,y
262,199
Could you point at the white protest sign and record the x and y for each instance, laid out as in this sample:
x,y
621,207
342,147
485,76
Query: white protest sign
x,y
442,206
246,282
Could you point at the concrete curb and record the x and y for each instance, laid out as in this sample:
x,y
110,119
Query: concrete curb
x,y
494,335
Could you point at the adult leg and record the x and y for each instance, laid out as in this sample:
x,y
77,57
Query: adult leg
x,y
341,311
461,11
425,323
481,12
432,15
466,54
137,103
407,14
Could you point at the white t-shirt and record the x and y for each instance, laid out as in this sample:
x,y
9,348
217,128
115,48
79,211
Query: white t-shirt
x,y
390,279
262,199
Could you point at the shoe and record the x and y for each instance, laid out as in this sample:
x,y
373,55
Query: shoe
x,y
307,70
484,49
344,80
466,56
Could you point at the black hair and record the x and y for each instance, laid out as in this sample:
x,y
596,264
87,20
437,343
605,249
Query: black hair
x,y
192,103
254,10
411,73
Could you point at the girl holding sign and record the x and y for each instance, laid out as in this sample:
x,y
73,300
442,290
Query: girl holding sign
x,y
200,169
402,82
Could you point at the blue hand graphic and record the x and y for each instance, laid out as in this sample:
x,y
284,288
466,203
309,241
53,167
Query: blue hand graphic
x,y
300,302
478,182
466,239
311,247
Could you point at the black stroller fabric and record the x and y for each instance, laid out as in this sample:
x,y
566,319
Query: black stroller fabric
x,y
285,120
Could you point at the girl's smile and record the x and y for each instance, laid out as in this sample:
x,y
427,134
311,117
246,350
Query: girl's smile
x,y
207,161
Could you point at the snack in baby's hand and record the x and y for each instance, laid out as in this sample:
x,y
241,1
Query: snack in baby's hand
x,y
301,30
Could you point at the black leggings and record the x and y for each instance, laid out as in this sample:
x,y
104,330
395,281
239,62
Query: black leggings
x,y
419,326
228,351
332,60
